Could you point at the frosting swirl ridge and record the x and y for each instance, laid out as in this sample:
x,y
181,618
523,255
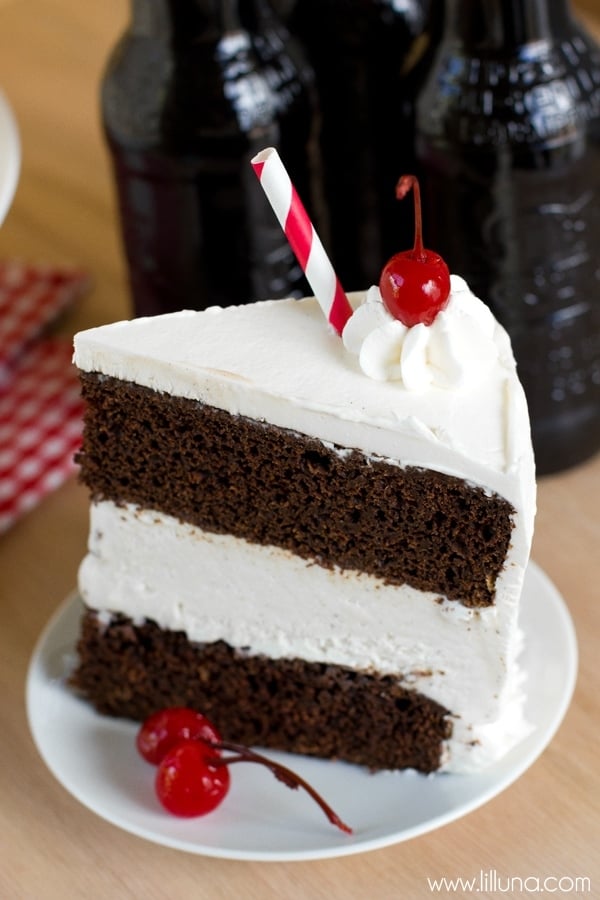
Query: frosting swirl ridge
x,y
464,342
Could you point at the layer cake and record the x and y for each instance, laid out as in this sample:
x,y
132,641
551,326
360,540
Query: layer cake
x,y
319,543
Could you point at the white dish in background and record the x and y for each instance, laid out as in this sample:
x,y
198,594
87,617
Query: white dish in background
x,y
95,759
10,156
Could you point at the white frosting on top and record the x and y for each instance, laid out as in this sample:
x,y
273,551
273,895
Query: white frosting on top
x,y
463,343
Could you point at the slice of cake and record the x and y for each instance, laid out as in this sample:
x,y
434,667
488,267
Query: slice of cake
x,y
319,543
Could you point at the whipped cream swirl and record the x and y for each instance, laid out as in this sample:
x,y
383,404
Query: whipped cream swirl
x,y
463,343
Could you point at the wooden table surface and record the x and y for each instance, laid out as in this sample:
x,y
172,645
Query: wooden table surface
x,y
545,825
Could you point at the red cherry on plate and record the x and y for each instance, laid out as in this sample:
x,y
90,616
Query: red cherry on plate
x,y
190,780
192,776
414,284
167,727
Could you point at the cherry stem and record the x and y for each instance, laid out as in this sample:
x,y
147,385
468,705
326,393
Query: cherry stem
x,y
405,183
289,778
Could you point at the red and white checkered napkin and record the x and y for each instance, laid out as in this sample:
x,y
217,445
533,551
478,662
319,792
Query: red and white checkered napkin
x,y
40,404
31,298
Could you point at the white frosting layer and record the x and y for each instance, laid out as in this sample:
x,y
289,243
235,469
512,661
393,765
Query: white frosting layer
x,y
463,343
148,565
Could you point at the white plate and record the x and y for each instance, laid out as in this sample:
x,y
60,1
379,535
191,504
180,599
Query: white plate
x,y
94,758
10,156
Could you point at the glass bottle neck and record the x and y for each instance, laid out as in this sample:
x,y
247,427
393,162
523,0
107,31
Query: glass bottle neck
x,y
495,25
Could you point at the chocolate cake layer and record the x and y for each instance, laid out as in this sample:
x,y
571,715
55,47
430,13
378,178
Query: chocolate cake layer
x,y
232,475
321,710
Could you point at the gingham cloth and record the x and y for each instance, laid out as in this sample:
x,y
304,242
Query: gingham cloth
x,y
40,405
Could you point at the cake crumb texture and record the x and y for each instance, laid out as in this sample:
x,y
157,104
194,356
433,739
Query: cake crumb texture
x,y
333,712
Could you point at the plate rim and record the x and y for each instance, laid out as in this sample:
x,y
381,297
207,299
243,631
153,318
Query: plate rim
x,y
543,736
10,158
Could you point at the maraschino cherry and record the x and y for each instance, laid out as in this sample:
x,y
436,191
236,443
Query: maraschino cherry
x,y
167,727
193,778
414,284
189,780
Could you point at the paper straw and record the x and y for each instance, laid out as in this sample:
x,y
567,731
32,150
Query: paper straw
x,y
302,236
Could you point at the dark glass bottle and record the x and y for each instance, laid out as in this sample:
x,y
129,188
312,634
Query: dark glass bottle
x,y
368,56
508,140
192,91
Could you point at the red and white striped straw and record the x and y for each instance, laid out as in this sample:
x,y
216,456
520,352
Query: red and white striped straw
x,y
303,238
